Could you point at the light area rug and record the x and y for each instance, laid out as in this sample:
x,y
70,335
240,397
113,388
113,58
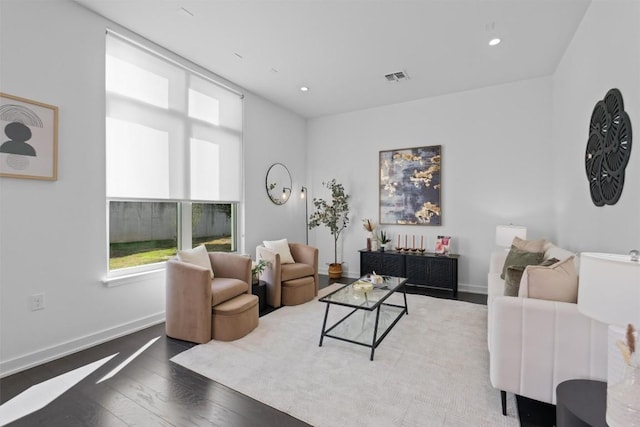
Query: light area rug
x,y
432,369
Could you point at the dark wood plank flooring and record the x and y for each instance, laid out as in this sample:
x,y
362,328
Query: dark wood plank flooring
x,y
151,391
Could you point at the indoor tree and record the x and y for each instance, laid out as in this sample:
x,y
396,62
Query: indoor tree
x,y
334,214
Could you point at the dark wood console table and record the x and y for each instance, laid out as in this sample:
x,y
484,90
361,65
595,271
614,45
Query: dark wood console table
x,y
421,269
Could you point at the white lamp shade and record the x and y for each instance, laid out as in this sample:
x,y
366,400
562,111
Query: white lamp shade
x,y
506,233
609,288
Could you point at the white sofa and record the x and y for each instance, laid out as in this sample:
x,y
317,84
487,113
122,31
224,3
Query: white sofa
x,y
536,344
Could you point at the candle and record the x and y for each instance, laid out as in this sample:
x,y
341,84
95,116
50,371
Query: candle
x,y
405,241
414,241
421,242
398,245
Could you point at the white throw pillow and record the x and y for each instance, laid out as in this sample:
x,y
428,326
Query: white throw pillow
x,y
280,247
197,256
556,283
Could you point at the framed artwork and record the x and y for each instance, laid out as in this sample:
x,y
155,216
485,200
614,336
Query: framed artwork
x,y
29,144
410,186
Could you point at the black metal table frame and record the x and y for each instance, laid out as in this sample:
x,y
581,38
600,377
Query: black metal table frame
x,y
375,341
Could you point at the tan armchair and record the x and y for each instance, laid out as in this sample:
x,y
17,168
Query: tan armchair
x,y
290,284
199,308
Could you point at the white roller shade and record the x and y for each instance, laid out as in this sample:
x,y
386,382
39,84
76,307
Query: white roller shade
x,y
171,133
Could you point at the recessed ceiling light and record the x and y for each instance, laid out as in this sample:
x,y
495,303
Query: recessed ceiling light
x,y
494,42
304,89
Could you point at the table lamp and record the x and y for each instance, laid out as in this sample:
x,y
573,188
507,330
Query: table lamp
x,y
506,233
609,292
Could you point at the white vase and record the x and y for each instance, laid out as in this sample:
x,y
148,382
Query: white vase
x,y
374,242
623,400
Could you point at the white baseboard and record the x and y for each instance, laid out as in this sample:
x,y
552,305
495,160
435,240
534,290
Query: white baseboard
x,y
472,289
12,366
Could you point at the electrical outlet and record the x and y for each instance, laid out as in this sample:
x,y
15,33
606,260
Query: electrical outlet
x,y
37,302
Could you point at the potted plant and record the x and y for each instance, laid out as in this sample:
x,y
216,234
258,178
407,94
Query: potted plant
x,y
256,269
333,214
383,238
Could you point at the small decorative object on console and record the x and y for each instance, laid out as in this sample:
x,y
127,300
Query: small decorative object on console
x,y
370,226
383,239
443,245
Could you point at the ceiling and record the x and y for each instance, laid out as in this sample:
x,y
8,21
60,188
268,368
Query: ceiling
x,y
342,49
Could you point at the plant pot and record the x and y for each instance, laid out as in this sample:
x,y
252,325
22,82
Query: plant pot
x,y
335,270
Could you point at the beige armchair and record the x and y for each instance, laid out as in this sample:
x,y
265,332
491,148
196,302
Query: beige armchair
x,y
199,308
290,284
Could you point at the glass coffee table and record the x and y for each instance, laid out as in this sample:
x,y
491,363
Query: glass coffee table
x,y
371,318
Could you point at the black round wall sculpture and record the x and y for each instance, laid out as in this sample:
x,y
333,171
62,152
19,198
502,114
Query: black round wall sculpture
x,y
608,149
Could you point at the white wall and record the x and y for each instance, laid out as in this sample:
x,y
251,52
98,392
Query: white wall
x,y
495,167
53,234
273,135
604,54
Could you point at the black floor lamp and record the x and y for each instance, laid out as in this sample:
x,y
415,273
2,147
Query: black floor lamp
x,y
303,194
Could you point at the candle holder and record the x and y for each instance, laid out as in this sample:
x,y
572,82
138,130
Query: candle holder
x,y
422,250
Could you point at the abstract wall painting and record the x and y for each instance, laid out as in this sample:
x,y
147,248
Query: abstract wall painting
x,y
29,144
410,186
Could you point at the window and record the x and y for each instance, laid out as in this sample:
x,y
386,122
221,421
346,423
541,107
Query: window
x,y
211,225
141,233
173,157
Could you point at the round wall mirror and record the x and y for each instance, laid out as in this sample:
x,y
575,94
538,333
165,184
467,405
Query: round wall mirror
x,y
278,183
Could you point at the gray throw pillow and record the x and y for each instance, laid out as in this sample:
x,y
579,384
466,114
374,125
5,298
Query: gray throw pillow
x,y
519,257
512,280
513,276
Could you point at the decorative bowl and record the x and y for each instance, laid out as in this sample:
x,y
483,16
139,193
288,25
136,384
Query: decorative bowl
x,y
361,285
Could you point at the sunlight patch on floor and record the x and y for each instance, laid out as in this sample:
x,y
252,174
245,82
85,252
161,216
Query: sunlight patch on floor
x,y
128,360
40,395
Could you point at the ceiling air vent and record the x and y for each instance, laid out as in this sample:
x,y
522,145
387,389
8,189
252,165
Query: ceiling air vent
x,y
396,77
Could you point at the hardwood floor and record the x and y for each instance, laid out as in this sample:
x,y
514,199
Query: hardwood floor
x,y
151,390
